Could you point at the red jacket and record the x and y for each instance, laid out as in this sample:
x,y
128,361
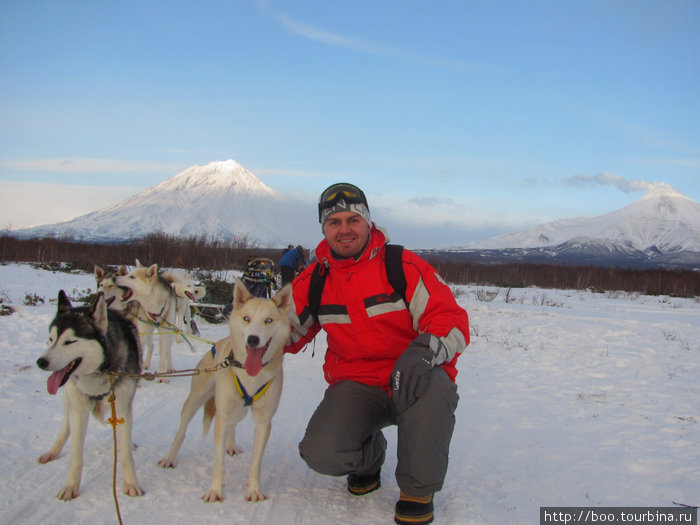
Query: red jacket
x,y
367,327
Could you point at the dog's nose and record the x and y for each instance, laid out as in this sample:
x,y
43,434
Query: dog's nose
x,y
253,340
42,363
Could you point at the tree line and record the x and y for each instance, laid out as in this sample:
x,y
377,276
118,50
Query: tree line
x,y
213,254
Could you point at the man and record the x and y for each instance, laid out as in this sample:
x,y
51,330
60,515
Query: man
x,y
388,362
291,260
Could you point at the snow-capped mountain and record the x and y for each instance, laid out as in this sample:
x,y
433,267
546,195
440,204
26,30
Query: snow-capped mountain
x,y
224,200
221,200
661,228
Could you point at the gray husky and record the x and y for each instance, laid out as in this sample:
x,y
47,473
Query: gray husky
x,y
85,345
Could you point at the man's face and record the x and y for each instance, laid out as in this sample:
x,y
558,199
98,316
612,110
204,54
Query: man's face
x,y
346,232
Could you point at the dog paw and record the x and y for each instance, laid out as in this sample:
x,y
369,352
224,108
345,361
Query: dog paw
x,y
233,450
68,493
45,458
132,489
167,463
255,496
212,496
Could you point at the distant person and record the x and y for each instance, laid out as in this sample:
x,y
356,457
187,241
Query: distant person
x,y
292,260
391,357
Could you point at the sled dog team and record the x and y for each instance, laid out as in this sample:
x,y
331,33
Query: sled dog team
x,y
96,351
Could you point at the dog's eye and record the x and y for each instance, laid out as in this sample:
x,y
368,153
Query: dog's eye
x,y
269,320
246,319
69,342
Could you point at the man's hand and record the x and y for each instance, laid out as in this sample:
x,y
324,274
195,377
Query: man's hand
x,y
411,375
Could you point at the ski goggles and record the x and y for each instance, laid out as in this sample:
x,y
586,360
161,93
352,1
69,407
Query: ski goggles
x,y
340,192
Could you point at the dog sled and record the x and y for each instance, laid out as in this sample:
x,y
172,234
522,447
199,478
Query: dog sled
x,y
260,277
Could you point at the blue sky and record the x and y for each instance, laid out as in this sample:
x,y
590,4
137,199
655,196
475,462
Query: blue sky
x,y
464,119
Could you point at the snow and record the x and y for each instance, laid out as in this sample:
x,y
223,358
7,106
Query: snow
x,y
663,218
221,199
567,399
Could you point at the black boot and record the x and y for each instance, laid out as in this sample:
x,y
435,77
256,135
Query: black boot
x,y
361,485
414,510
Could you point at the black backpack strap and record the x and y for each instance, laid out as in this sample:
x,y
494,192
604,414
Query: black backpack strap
x,y
394,272
394,269
318,279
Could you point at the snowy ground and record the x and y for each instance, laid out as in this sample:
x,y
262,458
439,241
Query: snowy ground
x,y
567,399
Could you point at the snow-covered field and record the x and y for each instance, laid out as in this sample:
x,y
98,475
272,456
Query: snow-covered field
x,y
567,399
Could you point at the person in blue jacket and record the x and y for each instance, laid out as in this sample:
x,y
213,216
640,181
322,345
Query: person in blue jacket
x,y
291,261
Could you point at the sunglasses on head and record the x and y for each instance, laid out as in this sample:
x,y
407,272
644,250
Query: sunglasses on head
x,y
341,191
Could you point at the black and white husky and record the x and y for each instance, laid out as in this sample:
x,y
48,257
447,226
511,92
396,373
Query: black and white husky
x,y
85,345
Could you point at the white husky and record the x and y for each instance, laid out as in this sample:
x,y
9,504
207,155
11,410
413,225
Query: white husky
x,y
259,331
186,294
85,344
114,296
157,298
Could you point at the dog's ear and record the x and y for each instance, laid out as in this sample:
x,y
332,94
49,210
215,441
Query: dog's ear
x,y
178,288
240,293
152,270
99,273
283,298
122,271
138,264
99,312
64,303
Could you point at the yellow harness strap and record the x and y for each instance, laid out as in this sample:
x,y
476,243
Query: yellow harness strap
x,y
248,399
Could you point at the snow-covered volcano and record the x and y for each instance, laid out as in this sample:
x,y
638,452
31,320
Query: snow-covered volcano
x,y
663,220
221,199
661,227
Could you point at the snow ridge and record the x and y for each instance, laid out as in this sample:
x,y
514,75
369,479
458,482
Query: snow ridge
x,y
664,220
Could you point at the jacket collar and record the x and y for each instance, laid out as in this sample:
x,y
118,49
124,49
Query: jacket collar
x,y
378,237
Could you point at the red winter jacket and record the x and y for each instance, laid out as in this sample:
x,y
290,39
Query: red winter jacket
x,y
367,327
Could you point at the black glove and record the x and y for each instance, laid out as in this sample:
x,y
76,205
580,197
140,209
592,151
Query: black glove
x,y
411,375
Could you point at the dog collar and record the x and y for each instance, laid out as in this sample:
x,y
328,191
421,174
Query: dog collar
x,y
157,316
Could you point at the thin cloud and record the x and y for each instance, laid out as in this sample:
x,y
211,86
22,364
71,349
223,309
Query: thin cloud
x,y
433,202
367,47
281,172
618,181
89,165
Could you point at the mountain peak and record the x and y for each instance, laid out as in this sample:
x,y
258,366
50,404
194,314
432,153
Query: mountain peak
x,y
224,175
221,199
663,219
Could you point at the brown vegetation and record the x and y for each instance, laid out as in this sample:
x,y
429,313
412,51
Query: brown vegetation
x,y
215,255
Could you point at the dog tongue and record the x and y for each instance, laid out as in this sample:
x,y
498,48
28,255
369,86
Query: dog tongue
x,y
53,383
253,363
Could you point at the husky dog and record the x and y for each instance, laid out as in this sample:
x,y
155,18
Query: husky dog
x,y
157,299
85,345
186,293
114,296
259,331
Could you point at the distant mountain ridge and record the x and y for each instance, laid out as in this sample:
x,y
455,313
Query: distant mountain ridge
x,y
660,229
224,200
663,219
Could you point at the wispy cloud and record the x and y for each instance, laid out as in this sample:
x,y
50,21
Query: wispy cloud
x,y
433,202
618,181
89,165
367,47
282,172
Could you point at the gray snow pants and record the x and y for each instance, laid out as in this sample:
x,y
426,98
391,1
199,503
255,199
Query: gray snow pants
x,y
344,434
